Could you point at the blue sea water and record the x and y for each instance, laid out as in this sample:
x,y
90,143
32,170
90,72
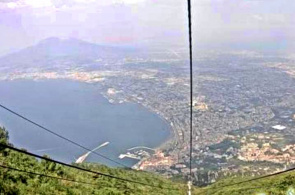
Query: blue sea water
x,y
79,112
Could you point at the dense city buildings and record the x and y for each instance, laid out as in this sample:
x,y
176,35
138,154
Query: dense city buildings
x,y
244,106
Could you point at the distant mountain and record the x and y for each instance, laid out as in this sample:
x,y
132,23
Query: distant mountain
x,y
53,51
73,47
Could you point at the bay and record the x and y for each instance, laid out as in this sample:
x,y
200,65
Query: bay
x,y
79,112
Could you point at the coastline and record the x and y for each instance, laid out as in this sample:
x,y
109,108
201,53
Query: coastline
x,y
88,80
165,144
172,131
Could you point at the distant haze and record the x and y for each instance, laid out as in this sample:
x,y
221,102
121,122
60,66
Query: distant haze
x,y
218,24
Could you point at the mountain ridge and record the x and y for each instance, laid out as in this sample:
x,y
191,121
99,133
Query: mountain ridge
x,y
53,51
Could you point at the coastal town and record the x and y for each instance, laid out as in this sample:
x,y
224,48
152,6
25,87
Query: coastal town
x,y
245,92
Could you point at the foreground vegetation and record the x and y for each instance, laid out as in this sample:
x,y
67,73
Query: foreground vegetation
x,y
276,185
14,182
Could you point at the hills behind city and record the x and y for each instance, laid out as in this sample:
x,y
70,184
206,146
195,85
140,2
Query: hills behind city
x,y
243,106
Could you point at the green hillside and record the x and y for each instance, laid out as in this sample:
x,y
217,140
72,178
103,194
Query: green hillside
x,y
14,182
276,185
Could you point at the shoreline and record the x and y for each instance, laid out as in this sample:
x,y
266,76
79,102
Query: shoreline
x,y
167,142
171,137
172,131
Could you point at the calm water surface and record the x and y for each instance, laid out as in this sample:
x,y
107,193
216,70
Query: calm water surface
x,y
77,111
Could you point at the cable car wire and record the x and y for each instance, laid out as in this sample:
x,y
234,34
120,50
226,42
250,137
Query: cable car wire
x,y
258,178
82,169
190,178
191,85
44,175
62,137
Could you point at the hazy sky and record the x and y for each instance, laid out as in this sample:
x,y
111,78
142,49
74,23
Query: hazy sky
x,y
217,23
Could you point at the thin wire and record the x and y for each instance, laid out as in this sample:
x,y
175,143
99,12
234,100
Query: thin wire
x,y
249,188
258,178
191,86
213,190
43,175
191,110
80,168
62,137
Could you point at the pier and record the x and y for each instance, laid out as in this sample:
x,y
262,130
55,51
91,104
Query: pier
x,y
82,158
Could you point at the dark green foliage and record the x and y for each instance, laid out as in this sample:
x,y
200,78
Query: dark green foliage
x,y
13,182
276,185
223,146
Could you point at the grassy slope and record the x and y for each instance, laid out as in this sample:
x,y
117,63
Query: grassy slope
x,y
276,185
13,182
